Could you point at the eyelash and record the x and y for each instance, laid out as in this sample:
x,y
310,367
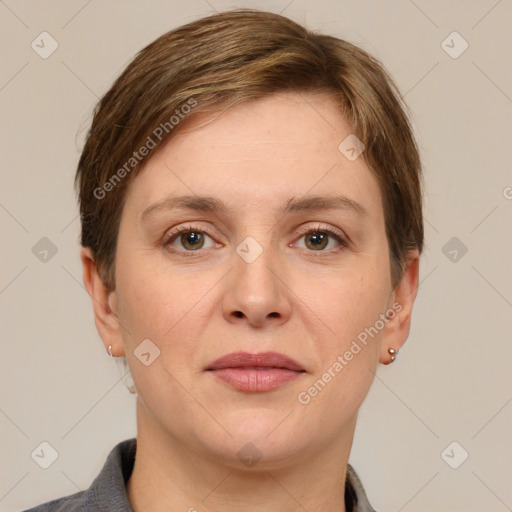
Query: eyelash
x,y
171,237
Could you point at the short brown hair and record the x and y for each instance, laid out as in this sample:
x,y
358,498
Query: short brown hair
x,y
226,60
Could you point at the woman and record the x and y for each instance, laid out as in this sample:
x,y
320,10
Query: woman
x,y
251,207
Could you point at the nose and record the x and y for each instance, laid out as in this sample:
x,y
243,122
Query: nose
x,y
256,293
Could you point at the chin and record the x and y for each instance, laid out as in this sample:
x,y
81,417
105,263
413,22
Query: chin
x,y
243,452
260,440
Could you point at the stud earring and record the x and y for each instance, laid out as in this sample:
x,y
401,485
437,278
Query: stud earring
x,y
392,353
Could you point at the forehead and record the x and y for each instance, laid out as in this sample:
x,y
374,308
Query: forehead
x,y
260,154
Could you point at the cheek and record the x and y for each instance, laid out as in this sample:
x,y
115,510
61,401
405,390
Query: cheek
x,y
347,353
159,309
143,306
171,310
152,300
343,307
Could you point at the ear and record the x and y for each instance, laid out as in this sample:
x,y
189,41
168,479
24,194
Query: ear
x,y
104,303
402,299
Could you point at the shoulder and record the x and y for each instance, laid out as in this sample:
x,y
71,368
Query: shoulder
x,y
73,503
107,491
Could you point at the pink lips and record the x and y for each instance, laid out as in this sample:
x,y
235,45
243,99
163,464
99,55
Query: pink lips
x,y
256,372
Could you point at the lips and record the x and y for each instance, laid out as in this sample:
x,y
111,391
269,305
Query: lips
x,y
256,372
261,360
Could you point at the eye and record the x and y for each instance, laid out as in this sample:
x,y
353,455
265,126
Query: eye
x,y
187,239
190,239
320,238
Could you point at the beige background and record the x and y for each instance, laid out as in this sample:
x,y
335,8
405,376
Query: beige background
x,y
452,380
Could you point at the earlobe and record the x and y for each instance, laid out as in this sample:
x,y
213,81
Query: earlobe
x,y
104,303
397,330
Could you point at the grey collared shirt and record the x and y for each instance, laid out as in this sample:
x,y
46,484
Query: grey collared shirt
x,y
107,492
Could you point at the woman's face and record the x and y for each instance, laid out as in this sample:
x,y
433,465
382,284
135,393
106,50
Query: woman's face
x,y
255,270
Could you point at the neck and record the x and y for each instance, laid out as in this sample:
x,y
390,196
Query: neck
x,y
168,475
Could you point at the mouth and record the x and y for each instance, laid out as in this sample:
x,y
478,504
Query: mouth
x,y
256,372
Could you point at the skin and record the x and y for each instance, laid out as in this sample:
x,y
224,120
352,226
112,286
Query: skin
x,y
296,299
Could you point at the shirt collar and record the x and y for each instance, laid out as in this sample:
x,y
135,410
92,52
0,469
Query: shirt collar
x,y
108,489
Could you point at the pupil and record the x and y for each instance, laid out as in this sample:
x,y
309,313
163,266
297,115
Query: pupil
x,y
192,239
317,240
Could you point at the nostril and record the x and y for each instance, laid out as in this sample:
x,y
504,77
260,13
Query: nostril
x,y
239,314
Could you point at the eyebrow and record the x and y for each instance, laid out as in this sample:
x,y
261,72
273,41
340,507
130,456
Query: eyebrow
x,y
293,205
